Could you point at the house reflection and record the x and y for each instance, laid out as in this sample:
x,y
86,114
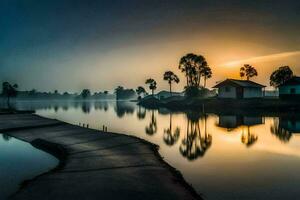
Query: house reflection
x,y
196,141
231,122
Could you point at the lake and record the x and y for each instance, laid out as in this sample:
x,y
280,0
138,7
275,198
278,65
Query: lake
x,y
223,156
20,161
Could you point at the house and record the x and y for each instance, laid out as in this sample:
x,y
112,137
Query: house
x,y
239,89
290,89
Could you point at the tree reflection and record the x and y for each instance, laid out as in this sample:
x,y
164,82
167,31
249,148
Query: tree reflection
x,y
86,107
282,134
194,144
123,108
170,137
248,139
151,129
141,113
101,105
6,137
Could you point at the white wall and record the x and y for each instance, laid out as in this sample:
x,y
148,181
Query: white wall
x,y
253,92
231,93
287,89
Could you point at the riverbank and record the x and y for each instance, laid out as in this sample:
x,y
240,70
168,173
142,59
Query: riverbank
x,y
215,105
94,164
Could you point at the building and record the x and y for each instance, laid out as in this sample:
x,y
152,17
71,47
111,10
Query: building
x,y
239,89
290,89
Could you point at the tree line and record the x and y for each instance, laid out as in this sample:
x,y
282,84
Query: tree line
x,y
197,70
194,67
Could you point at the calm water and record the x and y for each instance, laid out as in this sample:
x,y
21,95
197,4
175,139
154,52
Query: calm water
x,y
20,161
222,156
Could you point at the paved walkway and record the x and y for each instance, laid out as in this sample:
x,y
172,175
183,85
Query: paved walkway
x,y
94,164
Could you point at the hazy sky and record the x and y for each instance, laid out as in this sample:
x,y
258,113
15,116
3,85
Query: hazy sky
x,y
71,45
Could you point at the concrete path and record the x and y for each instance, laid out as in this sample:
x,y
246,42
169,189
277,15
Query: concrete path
x,y
94,164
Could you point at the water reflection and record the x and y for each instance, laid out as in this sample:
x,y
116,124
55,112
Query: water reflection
x,y
6,137
141,113
123,107
151,129
171,136
196,142
285,126
248,138
223,145
86,107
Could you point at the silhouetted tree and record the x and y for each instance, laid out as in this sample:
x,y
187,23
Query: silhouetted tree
x,y
248,71
280,76
193,66
152,85
85,93
9,91
122,93
32,92
105,92
140,90
171,77
207,73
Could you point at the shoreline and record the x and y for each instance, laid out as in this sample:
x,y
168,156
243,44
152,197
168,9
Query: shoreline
x,y
60,152
223,105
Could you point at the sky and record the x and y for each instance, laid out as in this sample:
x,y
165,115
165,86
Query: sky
x,y
70,45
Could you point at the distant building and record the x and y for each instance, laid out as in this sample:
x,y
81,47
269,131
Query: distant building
x,y
166,94
239,89
290,89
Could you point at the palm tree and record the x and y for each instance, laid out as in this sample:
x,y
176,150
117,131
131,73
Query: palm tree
x,y
248,71
152,85
280,76
207,73
9,91
192,65
171,77
140,90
